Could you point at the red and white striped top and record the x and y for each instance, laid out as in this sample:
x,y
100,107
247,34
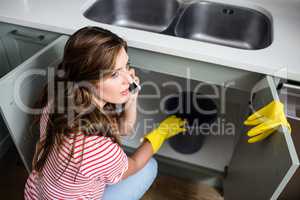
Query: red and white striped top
x,y
96,162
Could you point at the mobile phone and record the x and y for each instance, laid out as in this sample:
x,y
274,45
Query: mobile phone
x,y
134,87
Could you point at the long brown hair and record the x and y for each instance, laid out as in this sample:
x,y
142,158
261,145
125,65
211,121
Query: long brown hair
x,y
89,55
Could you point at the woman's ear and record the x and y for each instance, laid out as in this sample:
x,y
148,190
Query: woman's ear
x,y
97,88
97,84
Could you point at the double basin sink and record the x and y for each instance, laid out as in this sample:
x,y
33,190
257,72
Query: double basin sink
x,y
206,21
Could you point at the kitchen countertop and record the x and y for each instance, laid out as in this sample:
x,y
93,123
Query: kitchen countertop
x,y
281,58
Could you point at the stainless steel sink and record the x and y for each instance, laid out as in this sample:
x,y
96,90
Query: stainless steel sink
x,y
225,25
212,22
150,15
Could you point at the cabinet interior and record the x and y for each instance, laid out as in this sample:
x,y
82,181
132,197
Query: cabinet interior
x,y
218,146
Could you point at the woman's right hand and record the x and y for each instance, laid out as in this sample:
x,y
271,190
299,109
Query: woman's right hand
x,y
168,128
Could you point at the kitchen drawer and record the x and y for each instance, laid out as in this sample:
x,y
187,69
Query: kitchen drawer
x,y
259,171
289,93
18,43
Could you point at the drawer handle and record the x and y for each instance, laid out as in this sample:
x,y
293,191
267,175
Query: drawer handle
x,y
291,86
19,34
293,89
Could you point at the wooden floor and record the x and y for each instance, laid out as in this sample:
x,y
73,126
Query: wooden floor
x,y
173,188
13,177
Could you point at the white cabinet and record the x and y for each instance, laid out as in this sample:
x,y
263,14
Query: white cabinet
x,y
255,171
16,45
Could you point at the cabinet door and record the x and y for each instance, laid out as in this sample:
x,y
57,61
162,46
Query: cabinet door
x,y
4,64
261,170
22,87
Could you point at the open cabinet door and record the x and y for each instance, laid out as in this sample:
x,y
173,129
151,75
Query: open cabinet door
x,y
20,89
261,170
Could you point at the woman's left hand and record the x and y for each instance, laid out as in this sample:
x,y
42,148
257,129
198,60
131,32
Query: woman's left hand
x,y
128,119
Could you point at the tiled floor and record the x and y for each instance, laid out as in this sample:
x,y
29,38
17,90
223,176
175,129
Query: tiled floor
x,y
13,177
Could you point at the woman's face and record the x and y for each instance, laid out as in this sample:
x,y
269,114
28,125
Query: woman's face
x,y
114,89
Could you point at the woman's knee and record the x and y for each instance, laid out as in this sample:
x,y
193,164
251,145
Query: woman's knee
x,y
152,169
135,186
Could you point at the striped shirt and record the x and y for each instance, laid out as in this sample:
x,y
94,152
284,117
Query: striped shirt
x,y
95,163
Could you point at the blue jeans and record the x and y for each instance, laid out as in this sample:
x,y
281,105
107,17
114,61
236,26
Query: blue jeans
x,y
135,186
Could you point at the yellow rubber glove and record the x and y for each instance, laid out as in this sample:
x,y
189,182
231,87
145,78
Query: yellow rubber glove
x,y
169,127
266,120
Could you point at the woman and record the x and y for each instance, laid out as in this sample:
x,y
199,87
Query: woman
x,y
78,155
